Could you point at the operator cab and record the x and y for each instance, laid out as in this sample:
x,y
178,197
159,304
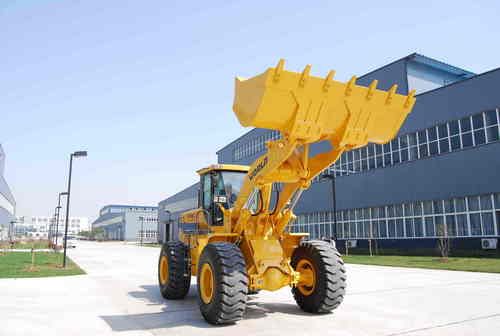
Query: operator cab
x,y
219,184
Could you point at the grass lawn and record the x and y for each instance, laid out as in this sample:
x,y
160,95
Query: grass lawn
x,y
151,245
18,265
489,265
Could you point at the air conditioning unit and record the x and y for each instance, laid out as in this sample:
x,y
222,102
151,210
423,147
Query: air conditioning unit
x,y
489,243
352,243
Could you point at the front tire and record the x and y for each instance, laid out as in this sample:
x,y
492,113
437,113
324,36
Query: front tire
x,y
222,283
174,273
323,287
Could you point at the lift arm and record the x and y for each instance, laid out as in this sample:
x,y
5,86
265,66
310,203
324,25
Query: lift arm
x,y
306,110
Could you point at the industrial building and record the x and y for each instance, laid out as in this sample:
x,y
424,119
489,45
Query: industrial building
x,y
440,176
7,202
128,222
38,227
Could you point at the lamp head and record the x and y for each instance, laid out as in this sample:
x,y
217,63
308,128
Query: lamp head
x,y
79,154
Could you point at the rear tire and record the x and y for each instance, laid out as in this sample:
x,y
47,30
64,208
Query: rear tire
x,y
222,283
174,273
327,290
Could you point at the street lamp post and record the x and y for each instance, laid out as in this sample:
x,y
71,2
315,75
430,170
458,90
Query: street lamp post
x,y
76,155
58,213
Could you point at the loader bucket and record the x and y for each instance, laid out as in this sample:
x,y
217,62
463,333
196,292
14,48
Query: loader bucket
x,y
310,108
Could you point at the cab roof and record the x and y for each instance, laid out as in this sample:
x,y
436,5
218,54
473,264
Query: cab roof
x,y
227,167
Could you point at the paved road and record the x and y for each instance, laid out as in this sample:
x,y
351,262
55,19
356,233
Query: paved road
x,y
119,296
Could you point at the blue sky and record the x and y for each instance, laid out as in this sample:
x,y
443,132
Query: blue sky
x,y
146,86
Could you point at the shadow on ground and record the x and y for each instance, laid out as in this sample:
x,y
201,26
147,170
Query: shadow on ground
x,y
185,312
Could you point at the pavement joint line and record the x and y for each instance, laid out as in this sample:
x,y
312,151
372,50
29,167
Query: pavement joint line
x,y
426,286
478,318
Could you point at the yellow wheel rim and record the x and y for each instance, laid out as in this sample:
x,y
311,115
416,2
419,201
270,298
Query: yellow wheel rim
x,y
307,282
163,270
206,283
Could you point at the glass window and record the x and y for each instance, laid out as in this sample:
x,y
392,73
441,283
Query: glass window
x,y
497,201
433,148
455,142
423,151
371,150
390,211
412,139
488,226
395,145
491,117
467,140
395,157
371,163
465,124
462,229
417,208
381,212
409,227
473,203
387,160
392,228
438,207
413,153
486,202
403,141
422,138
492,133
475,224
404,155
399,210
444,145
448,206
363,152
453,127
432,133
451,226
439,226
429,227
408,209
399,228
382,229
419,230
477,121
443,131
428,207
479,137
356,154
460,204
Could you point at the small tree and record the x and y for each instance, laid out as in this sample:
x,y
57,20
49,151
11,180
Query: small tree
x,y
443,241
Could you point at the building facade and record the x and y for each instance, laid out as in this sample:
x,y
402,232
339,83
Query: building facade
x,y
128,222
7,202
440,176
39,227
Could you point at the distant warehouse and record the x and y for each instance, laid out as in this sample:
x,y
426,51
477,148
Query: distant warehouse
x,y
128,222
439,176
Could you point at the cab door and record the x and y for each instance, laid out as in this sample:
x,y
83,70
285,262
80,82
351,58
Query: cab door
x,y
212,210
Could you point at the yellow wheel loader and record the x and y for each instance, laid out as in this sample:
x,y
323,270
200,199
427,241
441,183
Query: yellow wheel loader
x,y
237,242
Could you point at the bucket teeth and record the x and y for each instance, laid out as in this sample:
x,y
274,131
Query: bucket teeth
x,y
409,98
305,75
279,69
350,85
371,89
391,93
328,80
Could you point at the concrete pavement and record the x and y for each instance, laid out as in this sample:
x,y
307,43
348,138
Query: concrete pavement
x,y
119,296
